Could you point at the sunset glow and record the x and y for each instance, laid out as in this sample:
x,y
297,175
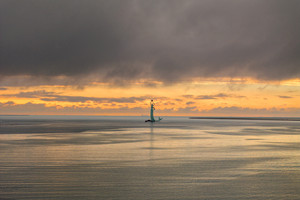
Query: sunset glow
x,y
207,97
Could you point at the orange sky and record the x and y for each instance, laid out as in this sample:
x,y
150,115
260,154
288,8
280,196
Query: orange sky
x,y
205,97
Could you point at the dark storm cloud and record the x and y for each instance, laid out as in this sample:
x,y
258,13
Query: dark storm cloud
x,y
166,40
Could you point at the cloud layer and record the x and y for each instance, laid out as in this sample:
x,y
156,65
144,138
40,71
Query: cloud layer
x,y
56,97
40,108
165,40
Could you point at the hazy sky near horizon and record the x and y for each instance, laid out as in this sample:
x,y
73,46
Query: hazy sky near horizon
x,y
206,57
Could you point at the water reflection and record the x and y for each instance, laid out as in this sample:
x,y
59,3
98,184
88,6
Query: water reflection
x,y
151,141
129,159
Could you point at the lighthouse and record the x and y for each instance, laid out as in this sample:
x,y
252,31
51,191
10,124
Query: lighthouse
x,y
152,108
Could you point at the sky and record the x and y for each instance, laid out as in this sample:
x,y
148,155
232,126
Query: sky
x,y
194,58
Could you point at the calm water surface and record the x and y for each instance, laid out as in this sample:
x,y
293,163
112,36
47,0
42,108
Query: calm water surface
x,y
72,157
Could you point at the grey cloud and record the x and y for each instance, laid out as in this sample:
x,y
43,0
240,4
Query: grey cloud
x,y
190,102
31,108
165,40
188,96
95,99
292,91
217,96
41,108
285,97
52,96
3,88
33,94
206,97
8,103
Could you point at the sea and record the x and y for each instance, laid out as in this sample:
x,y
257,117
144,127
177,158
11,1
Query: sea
x,y
178,158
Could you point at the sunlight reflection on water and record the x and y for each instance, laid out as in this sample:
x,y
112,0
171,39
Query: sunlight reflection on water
x,y
124,158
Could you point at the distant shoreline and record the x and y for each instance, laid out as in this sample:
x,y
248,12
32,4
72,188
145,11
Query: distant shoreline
x,y
14,115
252,118
123,116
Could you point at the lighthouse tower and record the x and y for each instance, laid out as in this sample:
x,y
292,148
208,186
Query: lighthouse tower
x,y
151,111
152,108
